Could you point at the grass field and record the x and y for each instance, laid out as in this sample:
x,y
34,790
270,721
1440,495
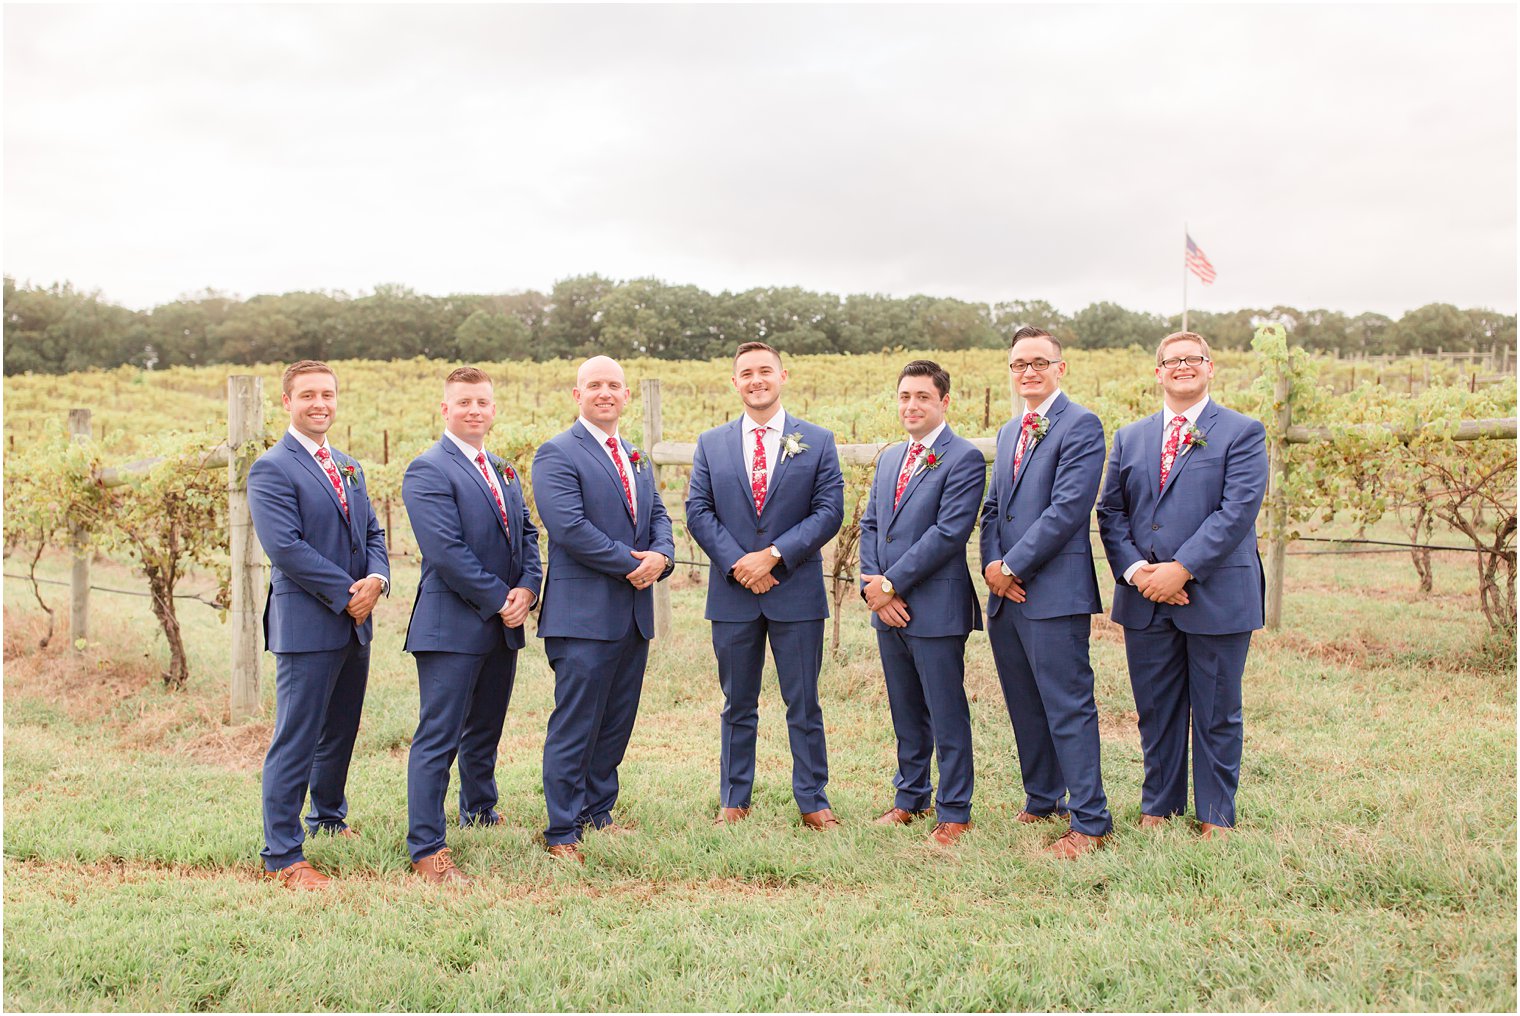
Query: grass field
x,y
1375,867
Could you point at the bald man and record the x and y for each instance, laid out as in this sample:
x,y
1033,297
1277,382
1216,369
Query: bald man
x,y
609,543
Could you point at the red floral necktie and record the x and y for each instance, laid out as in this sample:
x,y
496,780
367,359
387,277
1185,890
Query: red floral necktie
x,y
1026,433
480,460
757,471
1169,451
612,446
914,452
325,458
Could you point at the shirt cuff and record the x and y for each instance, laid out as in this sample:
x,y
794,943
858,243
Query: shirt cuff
x,y
385,583
1130,571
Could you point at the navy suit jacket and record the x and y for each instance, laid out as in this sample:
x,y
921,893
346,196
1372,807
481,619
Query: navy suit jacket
x,y
591,537
1205,520
1038,524
804,506
469,563
921,546
314,553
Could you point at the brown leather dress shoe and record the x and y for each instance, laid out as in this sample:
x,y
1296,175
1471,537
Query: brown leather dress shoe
x,y
610,829
1153,821
439,869
1029,818
898,816
728,816
349,833
946,833
1074,844
566,852
1216,832
820,819
300,875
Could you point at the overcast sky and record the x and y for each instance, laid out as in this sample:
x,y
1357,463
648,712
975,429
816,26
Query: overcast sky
x,y
1356,158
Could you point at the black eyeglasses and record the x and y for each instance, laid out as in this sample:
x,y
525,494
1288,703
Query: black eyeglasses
x,y
1173,362
1040,366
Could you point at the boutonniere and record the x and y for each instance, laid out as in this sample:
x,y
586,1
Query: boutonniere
x,y
931,461
351,474
637,460
1192,437
508,474
1040,430
792,445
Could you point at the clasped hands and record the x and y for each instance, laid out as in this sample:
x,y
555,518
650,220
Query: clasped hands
x,y
519,602
753,571
651,567
362,597
1162,583
890,607
1009,587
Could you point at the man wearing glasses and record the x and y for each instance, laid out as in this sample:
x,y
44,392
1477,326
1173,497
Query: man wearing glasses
x,y
1178,519
1037,560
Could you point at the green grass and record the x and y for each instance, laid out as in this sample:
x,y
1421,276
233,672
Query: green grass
x,y
1375,867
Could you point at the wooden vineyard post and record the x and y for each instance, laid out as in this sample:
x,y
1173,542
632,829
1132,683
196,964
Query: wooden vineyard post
x,y
79,543
245,443
1277,506
653,433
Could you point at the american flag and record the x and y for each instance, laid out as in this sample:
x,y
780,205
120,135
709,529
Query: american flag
x,y
1198,262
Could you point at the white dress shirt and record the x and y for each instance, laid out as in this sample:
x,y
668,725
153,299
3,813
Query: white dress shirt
x,y
311,449
1167,413
601,437
928,442
771,442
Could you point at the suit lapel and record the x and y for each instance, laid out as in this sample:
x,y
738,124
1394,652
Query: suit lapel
x,y
318,473
608,466
1054,416
1205,420
355,522
463,461
643,486
741,475
782,461
920,470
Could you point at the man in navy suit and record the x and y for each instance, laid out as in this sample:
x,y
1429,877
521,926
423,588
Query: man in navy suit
x,y
609,542
328,567
913,575
766,495
480,577
1178,519
1037,560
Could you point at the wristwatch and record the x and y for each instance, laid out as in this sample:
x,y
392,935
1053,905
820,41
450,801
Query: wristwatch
x,y
1006,570
774,552
886,586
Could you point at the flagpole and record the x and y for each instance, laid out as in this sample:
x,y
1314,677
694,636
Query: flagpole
x,y
1184,274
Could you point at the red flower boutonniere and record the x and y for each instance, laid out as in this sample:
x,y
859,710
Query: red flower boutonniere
x,y
351,474
1192,437
637,460
508,474
931,461
1040,430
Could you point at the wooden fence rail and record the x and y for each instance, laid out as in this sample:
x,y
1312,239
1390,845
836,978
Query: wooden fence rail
x,y
245,442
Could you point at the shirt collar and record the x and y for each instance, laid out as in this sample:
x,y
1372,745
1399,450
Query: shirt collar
x,y
463,445
931,437
776,420
1044,408
598,433
311,446
1192,412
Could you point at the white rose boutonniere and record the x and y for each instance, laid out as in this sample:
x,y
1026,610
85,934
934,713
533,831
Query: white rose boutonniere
x,y
792,445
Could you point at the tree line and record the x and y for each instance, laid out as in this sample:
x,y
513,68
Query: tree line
x,y
60,328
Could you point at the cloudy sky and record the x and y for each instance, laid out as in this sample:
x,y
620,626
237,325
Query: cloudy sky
x,y
1357,158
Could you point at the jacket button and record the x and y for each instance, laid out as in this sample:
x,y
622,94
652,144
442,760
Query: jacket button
x,y
1155,526
355,550
889,539
1009,518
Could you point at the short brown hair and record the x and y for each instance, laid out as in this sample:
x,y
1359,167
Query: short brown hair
x,y
1182,337
751,347
300,367
467,376
931,370
1031,332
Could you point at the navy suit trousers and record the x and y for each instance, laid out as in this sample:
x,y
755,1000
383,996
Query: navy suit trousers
x,y
1047,681
926,689
596,698
1180,681
464,704
797,647
318,698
